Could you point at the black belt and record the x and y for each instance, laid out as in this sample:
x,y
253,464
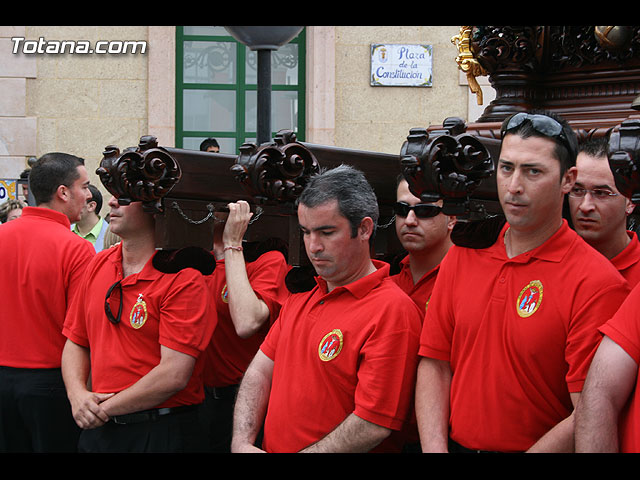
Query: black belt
x,y
455,447
223,393
150,415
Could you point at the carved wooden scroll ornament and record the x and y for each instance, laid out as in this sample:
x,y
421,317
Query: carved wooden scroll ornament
x,y
447,164
276,172
145,174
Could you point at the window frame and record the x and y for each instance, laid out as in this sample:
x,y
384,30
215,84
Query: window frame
x,y
241,135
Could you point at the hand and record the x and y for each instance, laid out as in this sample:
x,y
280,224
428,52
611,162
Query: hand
x,y
237,222
87,411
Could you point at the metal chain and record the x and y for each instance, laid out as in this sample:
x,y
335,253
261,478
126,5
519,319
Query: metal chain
x,y
388,224
256,216
195,222
211,208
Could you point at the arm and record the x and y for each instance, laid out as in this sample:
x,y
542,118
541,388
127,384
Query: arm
x,y
167,378
610,380
560,439
86,406
353,435
251,404
433,386
248,312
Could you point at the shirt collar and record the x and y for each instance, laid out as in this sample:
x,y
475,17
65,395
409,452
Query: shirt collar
x,y
148,272
363,285
553,249
406,265
94,232
629,255
48,214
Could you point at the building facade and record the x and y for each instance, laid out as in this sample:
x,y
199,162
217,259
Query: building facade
x,y
58,93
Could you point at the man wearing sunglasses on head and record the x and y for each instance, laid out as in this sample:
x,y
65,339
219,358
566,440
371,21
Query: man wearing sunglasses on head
x,y
137,330
425,233
511,328
599,211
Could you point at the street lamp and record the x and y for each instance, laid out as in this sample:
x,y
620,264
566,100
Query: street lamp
x,y
264,40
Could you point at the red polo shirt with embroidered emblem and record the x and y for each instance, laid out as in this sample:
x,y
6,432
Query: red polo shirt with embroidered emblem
x,y
351,350
628,261
42,264
228,355
169,309
519,335
624,329
420,292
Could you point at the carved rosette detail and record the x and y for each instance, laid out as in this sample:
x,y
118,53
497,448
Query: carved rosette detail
x,y
499,47
275,172
146,173
577,45
448,164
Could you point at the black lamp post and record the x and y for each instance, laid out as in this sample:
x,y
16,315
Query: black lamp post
x,y
264,40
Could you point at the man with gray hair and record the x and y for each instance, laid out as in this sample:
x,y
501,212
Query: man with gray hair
x,y
347,348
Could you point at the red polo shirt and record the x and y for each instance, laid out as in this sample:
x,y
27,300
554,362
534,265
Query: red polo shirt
x,y
519,335
624,329
351,350
158,309
628,261
228,355
419,292
42,264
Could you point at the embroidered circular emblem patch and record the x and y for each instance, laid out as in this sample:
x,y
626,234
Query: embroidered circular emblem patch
x,y
138,315
330,345
529,299
224,294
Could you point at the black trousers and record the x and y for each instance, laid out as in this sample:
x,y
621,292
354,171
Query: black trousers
x,y
218,416
35,414
181,432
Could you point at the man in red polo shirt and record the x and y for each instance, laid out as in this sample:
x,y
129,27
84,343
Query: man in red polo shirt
x,y
511,329
42,262
608,416
599,211
337,368
248,290
425,233
139,332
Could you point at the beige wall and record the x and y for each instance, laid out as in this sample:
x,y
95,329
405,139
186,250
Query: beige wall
x,y
379,118
81,103
85,102
17,128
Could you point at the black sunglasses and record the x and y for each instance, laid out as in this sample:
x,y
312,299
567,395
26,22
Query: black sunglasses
x,y
107,306
542,124
422,210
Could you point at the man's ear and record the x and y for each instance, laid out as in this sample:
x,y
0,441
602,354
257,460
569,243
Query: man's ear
x,y
365,230
451,222
569,179
62,193
629,207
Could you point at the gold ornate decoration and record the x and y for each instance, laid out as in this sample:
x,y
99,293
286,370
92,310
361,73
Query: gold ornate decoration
x,y
467,62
